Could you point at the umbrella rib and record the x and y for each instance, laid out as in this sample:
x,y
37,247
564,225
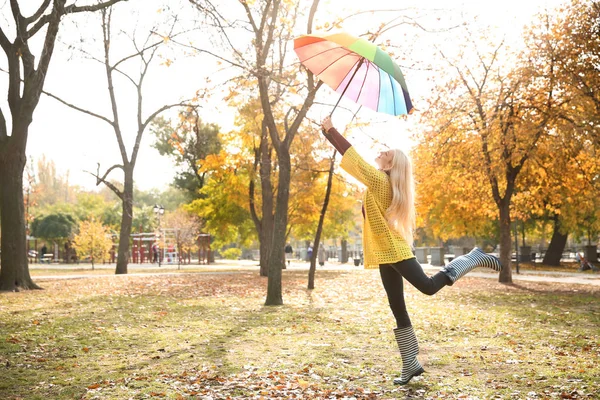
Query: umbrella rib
x,y
379,88
323,52
393,93
363,82
345,55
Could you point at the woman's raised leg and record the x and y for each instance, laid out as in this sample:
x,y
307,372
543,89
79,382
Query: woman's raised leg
x,y
412,271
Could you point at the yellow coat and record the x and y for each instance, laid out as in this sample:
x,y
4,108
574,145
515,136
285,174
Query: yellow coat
x,y
381,244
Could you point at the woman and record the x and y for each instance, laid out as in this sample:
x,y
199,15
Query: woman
x,y
389,218
321,254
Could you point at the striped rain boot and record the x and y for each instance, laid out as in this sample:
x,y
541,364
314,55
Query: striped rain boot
x,y
409,348
459,267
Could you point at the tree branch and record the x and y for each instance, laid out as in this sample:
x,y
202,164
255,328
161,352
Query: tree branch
x,y
250,17
217,18
142,127
38,13
93,114
186,103
107,183
289,135
4,42
267,45
72,9
412,21
232,63
141,51
16,12
3,130
311,16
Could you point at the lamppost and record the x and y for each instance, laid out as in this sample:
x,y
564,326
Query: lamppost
x,y
158,210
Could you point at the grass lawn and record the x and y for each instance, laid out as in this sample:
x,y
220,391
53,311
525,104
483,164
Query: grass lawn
x,y
208,336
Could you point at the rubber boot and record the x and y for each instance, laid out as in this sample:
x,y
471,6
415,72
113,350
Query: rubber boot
x,y
461,265
409,348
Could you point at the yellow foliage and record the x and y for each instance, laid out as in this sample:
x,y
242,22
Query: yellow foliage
x,y
93,240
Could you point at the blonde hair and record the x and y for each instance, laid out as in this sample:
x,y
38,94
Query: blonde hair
x,y
401,212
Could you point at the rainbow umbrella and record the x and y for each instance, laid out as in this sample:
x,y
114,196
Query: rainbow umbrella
x,y
357,69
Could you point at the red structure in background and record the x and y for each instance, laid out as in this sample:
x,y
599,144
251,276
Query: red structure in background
x,y
141,250
204,254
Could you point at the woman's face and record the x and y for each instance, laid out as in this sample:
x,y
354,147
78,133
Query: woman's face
x,y
384,160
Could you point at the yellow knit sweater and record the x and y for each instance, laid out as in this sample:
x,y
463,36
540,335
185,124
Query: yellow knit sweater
x,y
381,244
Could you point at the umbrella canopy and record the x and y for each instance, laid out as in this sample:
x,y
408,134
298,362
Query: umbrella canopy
x,y
357,69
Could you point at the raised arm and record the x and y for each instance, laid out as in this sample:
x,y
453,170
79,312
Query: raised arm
x,y
352,162
335,138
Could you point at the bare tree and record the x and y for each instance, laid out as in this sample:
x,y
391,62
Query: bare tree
x,y
25,84
145,53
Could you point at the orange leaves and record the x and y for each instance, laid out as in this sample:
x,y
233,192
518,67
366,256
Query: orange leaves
x,y
453,193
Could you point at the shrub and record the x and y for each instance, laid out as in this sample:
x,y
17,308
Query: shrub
x,y
232,254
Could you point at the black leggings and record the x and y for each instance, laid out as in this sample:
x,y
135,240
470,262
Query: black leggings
x,y
391,277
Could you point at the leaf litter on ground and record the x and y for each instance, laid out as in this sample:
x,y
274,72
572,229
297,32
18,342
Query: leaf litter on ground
x,y
209,336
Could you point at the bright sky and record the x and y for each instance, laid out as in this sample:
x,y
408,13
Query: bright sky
x,y
76,142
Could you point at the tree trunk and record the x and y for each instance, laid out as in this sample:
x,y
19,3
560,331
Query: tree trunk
x,y
556,246
126,221
266,229
265,238
505,243
14,267
313,259
274,296
344,254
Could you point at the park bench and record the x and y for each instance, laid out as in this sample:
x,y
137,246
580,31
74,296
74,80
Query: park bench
x,y
46,258
32,256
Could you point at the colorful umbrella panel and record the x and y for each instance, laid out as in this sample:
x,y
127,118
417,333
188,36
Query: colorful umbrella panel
x,y
357,68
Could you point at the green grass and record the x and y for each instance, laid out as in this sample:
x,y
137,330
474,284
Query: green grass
x,y
189,336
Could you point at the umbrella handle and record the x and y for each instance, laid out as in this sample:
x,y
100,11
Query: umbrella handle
x,y
362,59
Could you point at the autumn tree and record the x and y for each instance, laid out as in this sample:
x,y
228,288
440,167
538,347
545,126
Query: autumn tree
x,y
223,200
144,51
576,33
92,240
50,186
187,227
563,188
285,95
264,62
28,24
486,121
187,140
559,186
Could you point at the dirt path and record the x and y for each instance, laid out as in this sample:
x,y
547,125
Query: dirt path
x,y
246,266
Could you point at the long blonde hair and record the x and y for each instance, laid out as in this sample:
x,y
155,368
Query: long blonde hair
x,y
401,213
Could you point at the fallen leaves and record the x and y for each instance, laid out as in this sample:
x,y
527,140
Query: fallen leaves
x,y
270,385
209,336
